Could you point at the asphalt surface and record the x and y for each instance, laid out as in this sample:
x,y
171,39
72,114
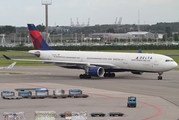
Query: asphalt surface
x,y
106,94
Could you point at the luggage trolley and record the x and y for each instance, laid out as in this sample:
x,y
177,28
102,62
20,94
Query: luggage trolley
x,y
77,93
25,94
58,93
41,93
13,116
9,95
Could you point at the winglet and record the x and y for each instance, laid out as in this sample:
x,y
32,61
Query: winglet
x,y
139,51
12,65
7,57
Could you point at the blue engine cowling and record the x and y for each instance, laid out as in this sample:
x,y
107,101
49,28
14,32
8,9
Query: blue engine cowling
x,y
96,71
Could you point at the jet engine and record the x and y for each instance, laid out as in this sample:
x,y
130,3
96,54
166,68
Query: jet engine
x,y
138,73
96,71
37,54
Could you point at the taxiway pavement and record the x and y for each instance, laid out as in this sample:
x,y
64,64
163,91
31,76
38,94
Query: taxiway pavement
x,y
157,99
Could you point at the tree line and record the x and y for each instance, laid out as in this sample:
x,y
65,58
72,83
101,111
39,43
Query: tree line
x,y
163,28
95,48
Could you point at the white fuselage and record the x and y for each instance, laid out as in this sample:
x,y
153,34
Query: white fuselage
x,y
129,61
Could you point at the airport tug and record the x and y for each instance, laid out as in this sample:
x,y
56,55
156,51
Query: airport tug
x,y
131,101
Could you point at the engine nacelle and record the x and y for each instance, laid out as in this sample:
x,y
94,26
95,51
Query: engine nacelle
x,y
138,73
96,71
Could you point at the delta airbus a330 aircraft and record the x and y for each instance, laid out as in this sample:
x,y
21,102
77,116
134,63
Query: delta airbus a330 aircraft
x,y
99,64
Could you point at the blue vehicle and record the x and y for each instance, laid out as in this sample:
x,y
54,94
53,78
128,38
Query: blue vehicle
x,y
131,101
97,114
115,114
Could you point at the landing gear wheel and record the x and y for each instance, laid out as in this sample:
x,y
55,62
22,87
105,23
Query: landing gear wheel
x,y
84,76
87,76
159,77
109,74
113,75
81,76
105,75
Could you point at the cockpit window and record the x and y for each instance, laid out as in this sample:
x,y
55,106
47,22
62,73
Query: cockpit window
x,y
169,60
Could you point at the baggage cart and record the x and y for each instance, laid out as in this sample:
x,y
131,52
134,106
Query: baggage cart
x,y
79,116
13,116
100,114
45,115
75,91
58,93
115,114
40,93
25,94
9,95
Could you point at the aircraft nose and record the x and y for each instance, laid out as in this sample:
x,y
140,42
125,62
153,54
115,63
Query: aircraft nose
x,y
174,65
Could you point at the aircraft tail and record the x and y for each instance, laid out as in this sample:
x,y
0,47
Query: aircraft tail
x,y
139,51
37,39
11,66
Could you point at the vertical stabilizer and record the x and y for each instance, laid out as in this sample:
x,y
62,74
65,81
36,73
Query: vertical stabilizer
x,y
139,51
37,39
12,65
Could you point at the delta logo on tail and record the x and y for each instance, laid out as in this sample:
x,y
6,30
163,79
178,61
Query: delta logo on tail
x,y
37,39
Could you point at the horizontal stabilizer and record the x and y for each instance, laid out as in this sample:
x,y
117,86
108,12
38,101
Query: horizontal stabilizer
x,y
7,57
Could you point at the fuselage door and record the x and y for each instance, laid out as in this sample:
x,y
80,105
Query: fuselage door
x,y
125,60
156,62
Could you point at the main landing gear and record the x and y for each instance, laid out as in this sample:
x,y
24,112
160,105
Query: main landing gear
x,y
84,76
160,75
109,74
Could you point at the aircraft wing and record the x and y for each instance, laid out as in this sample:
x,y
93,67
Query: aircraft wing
x,y
104,65
9,67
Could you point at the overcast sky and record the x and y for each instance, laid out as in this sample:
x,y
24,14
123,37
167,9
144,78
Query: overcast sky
x,y
21,12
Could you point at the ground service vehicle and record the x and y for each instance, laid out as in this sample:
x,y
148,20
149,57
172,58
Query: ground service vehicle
x,y
131,101
97,114
115,114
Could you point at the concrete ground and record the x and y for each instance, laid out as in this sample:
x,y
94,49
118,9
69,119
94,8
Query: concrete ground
x,y
156,100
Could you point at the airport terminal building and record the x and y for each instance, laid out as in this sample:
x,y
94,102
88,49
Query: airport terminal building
x,y
129,35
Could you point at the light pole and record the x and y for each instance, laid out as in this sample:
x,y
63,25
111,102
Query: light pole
x,y
46,3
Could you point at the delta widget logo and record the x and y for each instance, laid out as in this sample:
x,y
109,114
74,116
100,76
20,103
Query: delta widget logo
x,y
144,58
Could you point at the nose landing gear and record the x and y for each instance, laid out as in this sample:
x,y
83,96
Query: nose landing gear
x,y
160,75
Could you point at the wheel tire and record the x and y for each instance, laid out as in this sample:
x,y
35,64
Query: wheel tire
x,y
85,76
89,77
81,76
159,77
109,75
113,74
105,75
